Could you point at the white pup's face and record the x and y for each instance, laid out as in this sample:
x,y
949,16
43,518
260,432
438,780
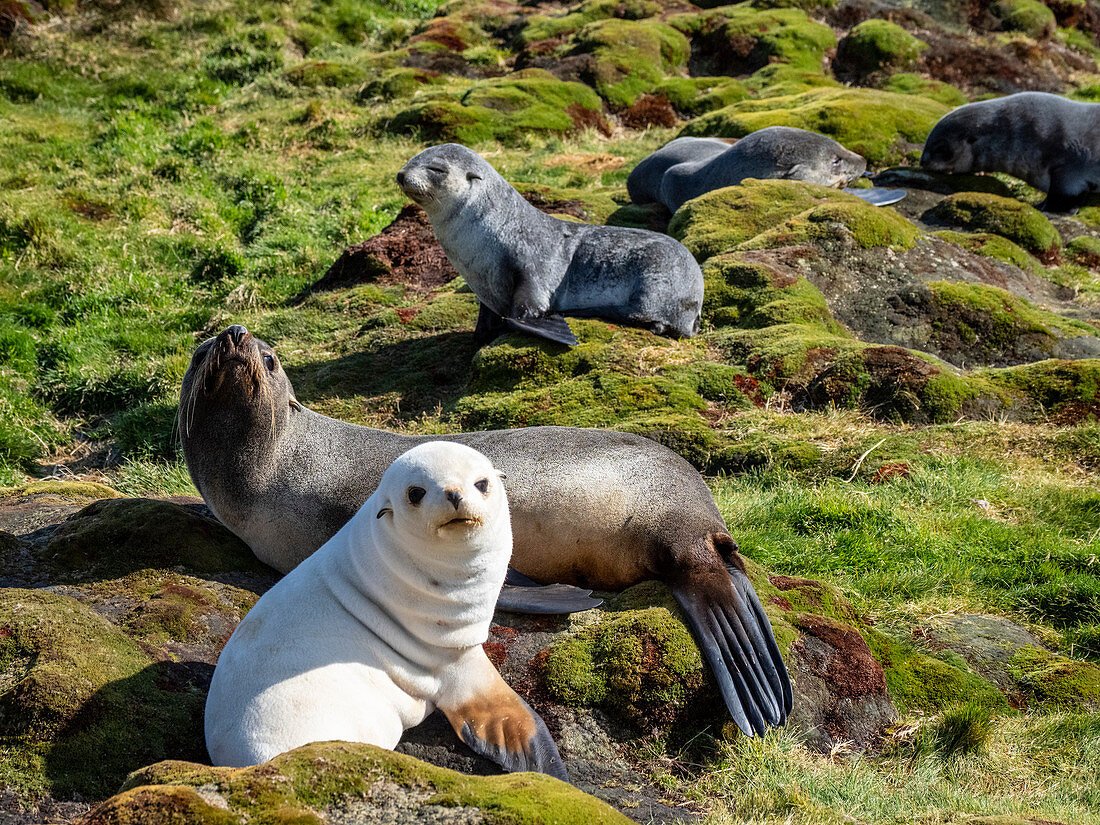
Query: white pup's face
x,y
444,495
441,175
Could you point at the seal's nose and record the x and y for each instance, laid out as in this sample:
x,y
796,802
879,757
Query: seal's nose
x,y
454,497
237,334
401,178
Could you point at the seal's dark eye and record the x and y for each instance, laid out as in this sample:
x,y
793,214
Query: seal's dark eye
x,y
269,362
416,495
438,170
482,486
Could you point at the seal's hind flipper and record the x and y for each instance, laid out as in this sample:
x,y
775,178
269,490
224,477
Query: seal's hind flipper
x,y
552,327
545,599
876,196
736,639
497,724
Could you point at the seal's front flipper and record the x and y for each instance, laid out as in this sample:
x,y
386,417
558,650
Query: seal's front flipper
x,y
736,639
553,327
545,599
489,325
497,724
876,196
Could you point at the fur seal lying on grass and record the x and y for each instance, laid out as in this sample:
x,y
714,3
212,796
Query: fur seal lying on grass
x,y
688,167
524,264
589,507
383,624
1049,141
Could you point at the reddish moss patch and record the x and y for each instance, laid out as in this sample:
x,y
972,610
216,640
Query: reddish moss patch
x,y
649,110
585,118
850,672
898,469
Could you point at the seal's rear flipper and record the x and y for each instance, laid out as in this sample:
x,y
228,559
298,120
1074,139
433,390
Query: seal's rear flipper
x,y
553,327
500,726
736,639
876,196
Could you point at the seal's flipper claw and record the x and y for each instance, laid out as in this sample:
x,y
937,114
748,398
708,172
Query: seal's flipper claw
x,y
876,196
552,327
500,726
736,639
545,599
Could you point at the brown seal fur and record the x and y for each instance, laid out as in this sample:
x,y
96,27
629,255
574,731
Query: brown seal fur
x,y
589,507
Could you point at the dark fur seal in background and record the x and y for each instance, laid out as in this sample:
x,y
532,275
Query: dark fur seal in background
x,y
524,265
1049,141
589,507
689,167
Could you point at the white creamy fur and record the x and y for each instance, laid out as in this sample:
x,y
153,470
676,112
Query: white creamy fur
x,y
382,624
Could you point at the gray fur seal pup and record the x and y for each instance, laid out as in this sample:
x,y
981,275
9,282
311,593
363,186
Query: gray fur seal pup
x,y
382,625
643,184
524,265
589,507
774,152
1043,139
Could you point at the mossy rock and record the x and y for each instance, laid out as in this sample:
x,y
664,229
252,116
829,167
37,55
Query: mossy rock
x,y
355,782
504,109
884,127
919,682
869,226
876,46
1028,16
642,665
1065,390
693,96
399,83
722,219
782,80
906,83
993,246
538,27
1020,223
447,312
741,38
116,537
1084,250
82,705
1056,681
332,73
630,56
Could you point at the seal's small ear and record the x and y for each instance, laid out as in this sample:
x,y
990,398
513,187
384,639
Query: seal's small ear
x,y
501,475
383,512
473,176
294,405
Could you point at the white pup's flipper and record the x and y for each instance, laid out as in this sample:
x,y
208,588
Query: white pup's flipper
x,y
876,196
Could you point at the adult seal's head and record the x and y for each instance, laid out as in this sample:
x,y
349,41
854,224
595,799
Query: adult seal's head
x,y
1041,138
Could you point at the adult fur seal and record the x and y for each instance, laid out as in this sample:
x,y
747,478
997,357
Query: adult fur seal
x,y
524,264
382,625
589,507
689,167
1049,141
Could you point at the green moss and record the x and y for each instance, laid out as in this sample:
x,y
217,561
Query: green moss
x,y
869,226
111,538
398,83
632,57
1028,16
945,395
884,127
724,218
84,688
540,28
782,79
991,246
765,35
877,46
66,489
295,786
325,73
506,109
1018,222
694,96
1085,250
1055,385
642,665
1054,680
447,312
920,682
914,84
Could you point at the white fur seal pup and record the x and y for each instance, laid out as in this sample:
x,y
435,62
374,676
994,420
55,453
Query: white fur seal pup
x,y
524,264
1049,141
382,625
589,507
702,165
